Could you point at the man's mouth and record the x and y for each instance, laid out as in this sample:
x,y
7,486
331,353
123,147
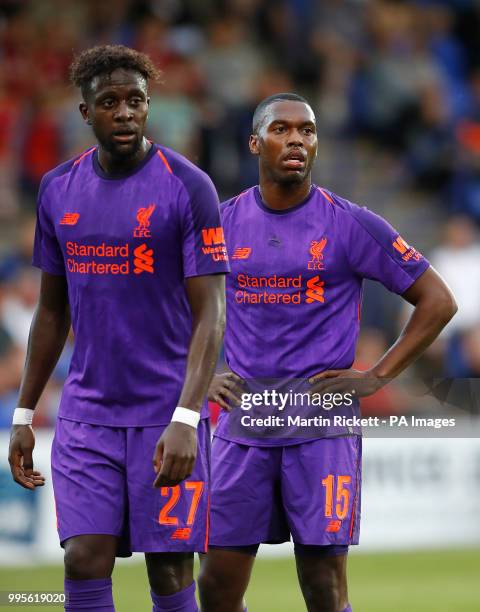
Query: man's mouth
x,y
124,137
295,160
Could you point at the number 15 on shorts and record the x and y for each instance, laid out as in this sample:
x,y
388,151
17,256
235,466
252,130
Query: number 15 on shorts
x,y
337,496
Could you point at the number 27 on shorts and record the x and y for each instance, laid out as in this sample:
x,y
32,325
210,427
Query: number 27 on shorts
x,y
193,491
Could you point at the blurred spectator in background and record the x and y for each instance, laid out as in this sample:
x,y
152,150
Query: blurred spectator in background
x,y
10,114
430,141
465,186
11,366
470,352
174,116
42,142
19,305
392,73
230,62
19,286
457,259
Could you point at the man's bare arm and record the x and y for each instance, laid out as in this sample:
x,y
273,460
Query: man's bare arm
x,y
206,295
48,333
176,450
434,307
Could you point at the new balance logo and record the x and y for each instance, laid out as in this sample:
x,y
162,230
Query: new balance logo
x,y
70,219
315,290
242,253
334,526
213,235
143,259
182,533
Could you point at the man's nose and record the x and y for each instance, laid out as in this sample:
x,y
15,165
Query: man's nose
x,y
123,112
295,138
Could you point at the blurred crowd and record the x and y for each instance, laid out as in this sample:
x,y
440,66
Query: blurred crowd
x,y
396,89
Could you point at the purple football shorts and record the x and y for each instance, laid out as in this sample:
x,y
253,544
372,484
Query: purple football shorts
x,y
102,481
310,491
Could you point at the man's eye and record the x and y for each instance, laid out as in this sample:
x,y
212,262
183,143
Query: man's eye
x,y
107,103
136,101
279,129
308,131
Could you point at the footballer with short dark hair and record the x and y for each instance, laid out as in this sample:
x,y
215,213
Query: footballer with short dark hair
x,y
299,254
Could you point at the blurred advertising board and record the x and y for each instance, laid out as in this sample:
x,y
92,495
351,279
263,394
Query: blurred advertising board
x,y
417,493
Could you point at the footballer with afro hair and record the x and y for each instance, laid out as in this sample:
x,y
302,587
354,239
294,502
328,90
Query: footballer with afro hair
x,y
105,59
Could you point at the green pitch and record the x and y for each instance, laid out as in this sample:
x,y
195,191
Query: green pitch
x,y
443,581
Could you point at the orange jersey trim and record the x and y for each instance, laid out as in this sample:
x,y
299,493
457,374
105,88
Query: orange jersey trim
x,y
325,195
355,500
77,161
240,195
164,159
207,530
352,520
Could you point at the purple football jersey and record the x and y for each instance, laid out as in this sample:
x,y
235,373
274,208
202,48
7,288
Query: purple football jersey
x,y
126,244
295,290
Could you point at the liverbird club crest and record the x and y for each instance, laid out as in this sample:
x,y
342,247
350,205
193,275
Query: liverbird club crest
x,y
143,218
316,251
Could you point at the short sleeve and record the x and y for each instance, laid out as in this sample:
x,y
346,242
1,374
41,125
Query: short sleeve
x,y
47,254
204,249
376,251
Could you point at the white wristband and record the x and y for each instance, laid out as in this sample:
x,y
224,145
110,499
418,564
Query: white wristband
x,y
187,416
22,416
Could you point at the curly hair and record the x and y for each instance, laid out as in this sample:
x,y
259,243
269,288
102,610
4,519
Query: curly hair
x,y
104,59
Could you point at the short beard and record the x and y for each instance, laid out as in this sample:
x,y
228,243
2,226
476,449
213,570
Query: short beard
x,y
111,147
289,179
293,179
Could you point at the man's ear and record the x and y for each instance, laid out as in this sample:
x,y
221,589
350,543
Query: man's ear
x,y
253,144
84,112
